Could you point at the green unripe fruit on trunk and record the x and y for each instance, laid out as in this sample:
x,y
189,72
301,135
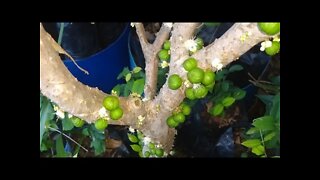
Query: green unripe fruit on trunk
x,y
190,64
269,28
111,102
175,82
195,75
274,49
116,114
101,124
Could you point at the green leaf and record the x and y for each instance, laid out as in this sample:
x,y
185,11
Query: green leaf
x,y
140,135
269,136
212,24
127,88
239,94
138,86
275,110
128,77
251,143
60,147
225,86
276,80
217,109
85,131
117,89
264,123
67,123
228,101
221,74
267,100
99,146
132,138
136,147
124,72
136,69
252,130
235,68
46,114
43,147
258,150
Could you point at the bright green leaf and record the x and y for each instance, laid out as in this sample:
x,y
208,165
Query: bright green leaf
x,y
132,138
138,86
228,101
46,114
269,136
128,77
252,130
67,123
258,150
264,123
140,135
60,147
235,68
124,72
217,109
136,147
251,143
136,69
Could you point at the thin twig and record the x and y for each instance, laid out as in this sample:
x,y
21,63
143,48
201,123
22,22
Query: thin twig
x,y
68,138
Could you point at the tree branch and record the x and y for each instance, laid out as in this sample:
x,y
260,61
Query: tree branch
x,y
230,47
150,54
58,84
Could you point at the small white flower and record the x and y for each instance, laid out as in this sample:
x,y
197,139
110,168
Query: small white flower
x,y
146,140
216,63
60,113
70,116
169,25
196,86
135,95
265,44
171,153
145,99
131,129
187,83
114,93
191,45
277,39
132,24
164,64
103,112
140,119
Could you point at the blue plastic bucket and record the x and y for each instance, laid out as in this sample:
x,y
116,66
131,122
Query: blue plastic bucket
x,y
104,66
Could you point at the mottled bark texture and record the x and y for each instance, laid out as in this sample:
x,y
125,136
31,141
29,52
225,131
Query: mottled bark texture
x,y
58,84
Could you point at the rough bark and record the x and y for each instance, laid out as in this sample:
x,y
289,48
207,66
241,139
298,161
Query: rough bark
x,y
58,84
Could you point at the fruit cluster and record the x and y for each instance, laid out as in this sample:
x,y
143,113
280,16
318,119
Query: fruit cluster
x,y
112,104
178,116
143,144
164,54
202,80
271,29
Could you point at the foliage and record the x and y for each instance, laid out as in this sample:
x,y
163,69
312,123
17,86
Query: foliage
x,y
264,137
